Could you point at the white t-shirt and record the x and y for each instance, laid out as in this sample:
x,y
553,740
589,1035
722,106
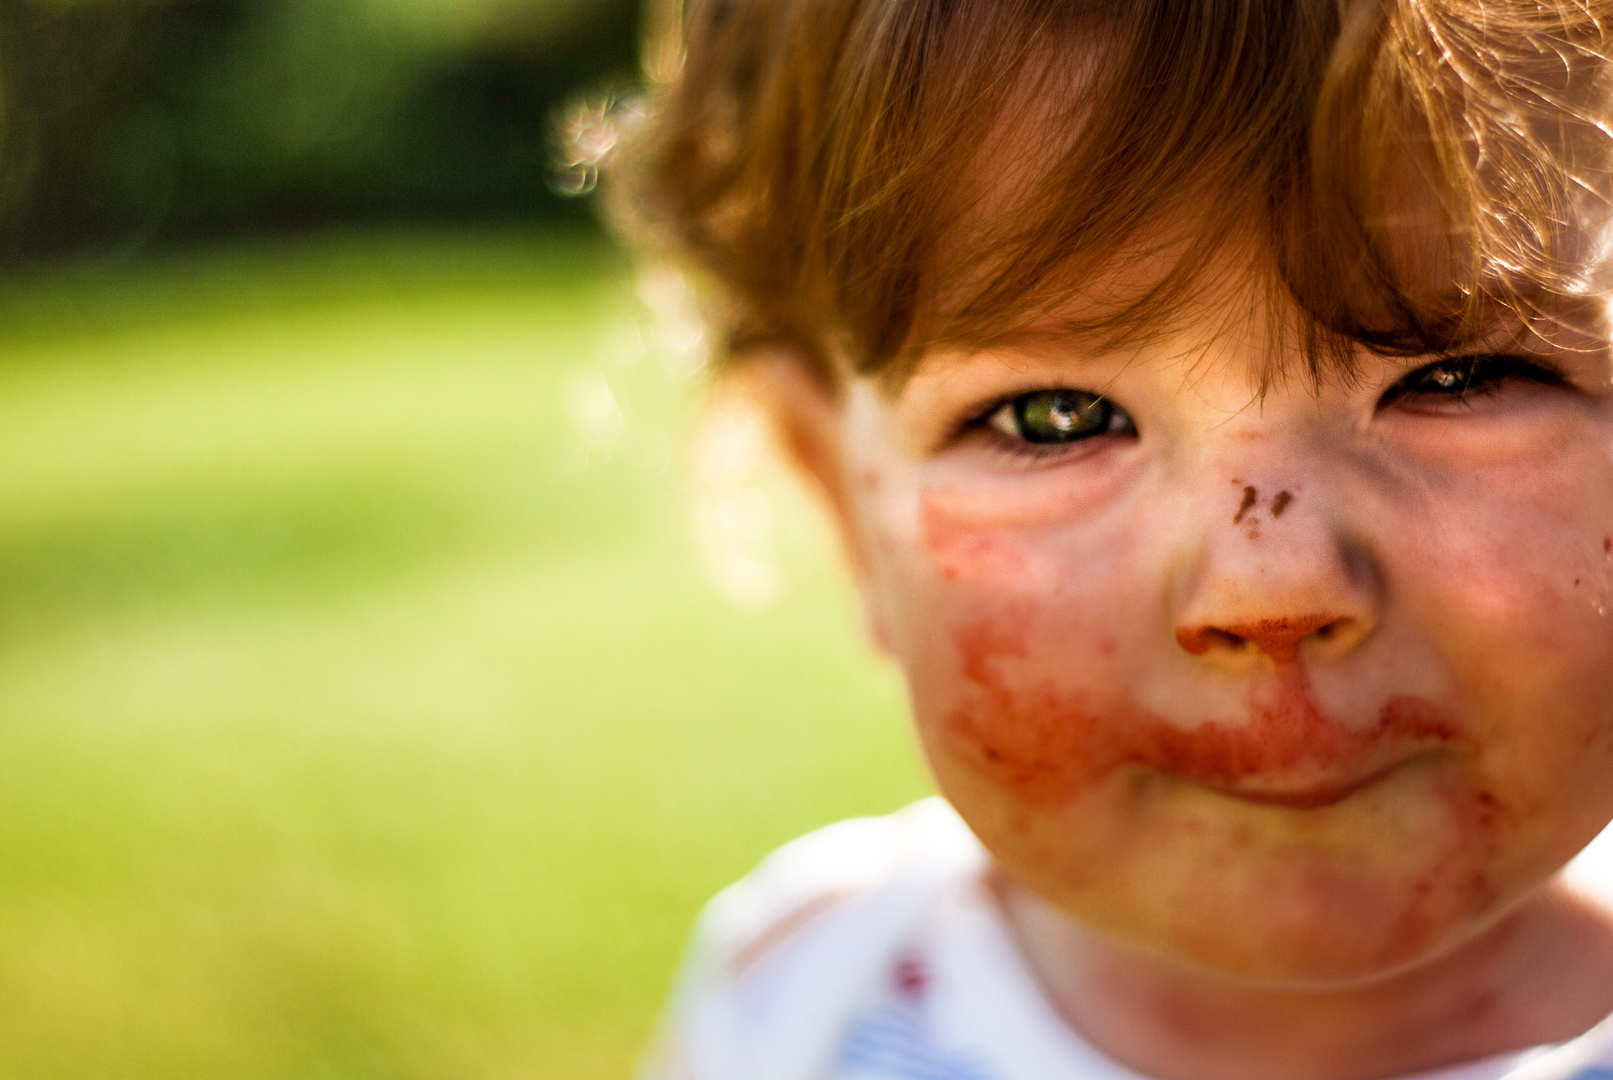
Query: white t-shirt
x,y
871,950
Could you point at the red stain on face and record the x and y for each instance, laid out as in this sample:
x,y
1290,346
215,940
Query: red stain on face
x,y
1047,744
1477,816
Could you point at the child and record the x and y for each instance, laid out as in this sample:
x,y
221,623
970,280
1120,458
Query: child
x,y
1216,401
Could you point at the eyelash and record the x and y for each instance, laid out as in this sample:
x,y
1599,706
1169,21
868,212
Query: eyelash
x,y
1478,375
1024,451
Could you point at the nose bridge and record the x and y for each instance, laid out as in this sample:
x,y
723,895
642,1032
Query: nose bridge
x,y
1269,566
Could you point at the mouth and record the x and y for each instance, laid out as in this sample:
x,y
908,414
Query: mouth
x,y
1306,797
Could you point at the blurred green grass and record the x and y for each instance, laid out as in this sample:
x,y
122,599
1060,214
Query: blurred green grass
x,y
356,720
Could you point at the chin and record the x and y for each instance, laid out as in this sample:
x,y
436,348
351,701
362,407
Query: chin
x,y
1295,919
1349,893
1323,928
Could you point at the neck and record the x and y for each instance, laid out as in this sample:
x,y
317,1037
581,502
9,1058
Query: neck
x,y
1543,974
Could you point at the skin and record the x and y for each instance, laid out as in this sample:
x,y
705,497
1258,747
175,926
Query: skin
x,y
1278,713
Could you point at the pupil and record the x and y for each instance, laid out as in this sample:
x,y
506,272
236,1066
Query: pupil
x,y
1061,416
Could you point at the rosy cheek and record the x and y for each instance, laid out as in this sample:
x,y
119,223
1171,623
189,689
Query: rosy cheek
x,y
961,552
1036,532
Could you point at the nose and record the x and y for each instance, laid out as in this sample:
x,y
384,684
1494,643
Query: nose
x,y
1275,578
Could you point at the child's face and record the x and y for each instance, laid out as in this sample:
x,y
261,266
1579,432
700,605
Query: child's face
x,y
1302,688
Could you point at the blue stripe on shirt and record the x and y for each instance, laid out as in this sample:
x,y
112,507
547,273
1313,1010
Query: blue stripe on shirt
x,y
892,1042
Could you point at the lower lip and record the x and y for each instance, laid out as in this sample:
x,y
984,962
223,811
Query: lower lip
x,y
1311,798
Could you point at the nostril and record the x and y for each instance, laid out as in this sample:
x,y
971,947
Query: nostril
x,y
1199,640
1279,638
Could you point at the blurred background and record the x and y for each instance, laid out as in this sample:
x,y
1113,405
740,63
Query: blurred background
x,y
396,645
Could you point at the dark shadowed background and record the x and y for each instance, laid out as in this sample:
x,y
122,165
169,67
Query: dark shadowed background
x,y
137,121
394,650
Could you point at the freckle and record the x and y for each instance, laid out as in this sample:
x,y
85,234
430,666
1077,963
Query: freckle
x,y
1280,503
1576,582
1107,646
1250,495
1607,544
870,480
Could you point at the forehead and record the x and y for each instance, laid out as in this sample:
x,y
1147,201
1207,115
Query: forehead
x,y
1241,317
1169,296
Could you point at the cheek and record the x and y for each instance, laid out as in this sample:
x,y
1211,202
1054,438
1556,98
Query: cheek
x,y
1047,597
1523,556
960,552
1515,582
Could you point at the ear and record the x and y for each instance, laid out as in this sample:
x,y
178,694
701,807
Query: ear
x,y
809,417
806,413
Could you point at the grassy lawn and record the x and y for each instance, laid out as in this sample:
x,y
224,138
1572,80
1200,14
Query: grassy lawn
x,y
364,711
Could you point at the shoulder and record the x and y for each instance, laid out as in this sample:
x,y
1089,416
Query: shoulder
x,y
779,957
836,865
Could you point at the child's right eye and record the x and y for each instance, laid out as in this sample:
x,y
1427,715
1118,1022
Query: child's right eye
x,y
1053,417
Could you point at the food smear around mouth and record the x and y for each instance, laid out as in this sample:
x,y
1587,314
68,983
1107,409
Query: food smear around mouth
x,y
1047,743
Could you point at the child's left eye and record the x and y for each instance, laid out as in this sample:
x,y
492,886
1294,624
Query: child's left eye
x,y
1052,417
1460,376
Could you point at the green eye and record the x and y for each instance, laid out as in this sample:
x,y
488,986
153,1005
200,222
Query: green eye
x,y
1058,416
1464,375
